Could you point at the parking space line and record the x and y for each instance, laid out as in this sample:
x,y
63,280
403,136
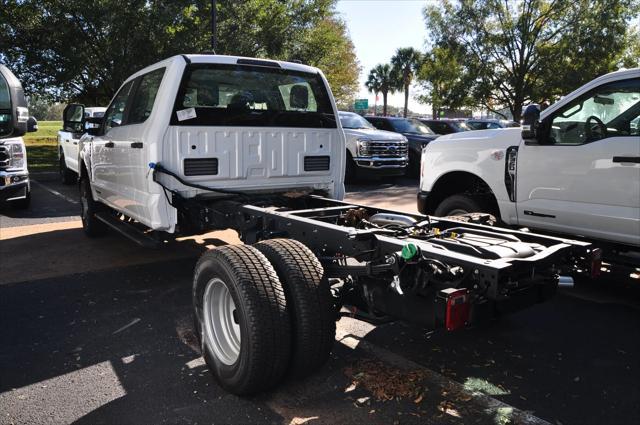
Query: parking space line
x,y
55,192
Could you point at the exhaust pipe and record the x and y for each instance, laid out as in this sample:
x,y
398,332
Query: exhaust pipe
x,y
565,281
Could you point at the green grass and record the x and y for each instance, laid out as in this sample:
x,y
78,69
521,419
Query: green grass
x,y
47,132
42,147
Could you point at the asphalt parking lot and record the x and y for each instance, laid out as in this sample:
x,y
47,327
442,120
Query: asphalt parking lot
x,y
100,331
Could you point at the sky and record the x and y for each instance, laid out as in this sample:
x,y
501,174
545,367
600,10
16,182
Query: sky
x,y
378,28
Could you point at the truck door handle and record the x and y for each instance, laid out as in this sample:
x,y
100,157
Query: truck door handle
x,y
109,145
631,159
136,145
75,143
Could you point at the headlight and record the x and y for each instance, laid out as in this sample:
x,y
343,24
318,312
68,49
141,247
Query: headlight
x,y
404,139
16,155
363,146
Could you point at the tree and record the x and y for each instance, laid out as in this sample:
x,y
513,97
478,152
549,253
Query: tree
x,y
328,47
531,49
445,79
406,62
381,79
77,51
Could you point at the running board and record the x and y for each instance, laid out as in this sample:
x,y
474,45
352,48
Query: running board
x,y
128,230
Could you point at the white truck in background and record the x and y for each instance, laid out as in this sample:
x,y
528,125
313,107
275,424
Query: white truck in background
x,y
372,152
68,142
197,143
15,187
573,169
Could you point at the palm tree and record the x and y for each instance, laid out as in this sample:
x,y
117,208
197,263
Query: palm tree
x,y
382,80
406,63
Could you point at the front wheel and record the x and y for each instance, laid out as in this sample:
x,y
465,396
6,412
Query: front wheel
x,y
461,205
241,319
67,176
88,208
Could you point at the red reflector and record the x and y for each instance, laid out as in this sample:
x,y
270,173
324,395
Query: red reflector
x,y
596,263
458,308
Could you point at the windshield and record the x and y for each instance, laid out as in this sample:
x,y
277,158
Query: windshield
x,y
5,108
354,121
240,95
411,126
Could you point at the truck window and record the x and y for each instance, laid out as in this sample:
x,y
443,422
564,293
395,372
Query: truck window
x,y
239,95
607,111
145,96
114,117
5,108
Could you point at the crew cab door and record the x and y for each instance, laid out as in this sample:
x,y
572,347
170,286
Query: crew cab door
x,y
584,179
109,150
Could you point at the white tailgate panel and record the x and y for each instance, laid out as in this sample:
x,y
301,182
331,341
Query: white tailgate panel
x,y
247,156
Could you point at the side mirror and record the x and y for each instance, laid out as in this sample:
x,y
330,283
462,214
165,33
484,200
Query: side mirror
x,y
73,118
530,122
13,105
93,126
32,124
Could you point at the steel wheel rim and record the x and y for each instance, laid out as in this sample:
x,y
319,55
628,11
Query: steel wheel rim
x,y
222,330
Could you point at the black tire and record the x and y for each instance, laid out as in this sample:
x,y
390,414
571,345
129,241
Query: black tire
x,y
351,170
67,176
462,204
23,204
260,311
313,325
413,167
88,208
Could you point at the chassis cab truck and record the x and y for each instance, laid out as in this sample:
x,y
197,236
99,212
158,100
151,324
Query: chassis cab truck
x,y
202,142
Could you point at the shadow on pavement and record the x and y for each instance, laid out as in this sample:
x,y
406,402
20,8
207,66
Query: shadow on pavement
x,y
568,361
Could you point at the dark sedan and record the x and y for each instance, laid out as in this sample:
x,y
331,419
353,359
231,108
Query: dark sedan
x,y
446,126
489,124
418,135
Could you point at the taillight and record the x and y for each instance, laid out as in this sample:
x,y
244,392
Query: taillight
x,y
457,307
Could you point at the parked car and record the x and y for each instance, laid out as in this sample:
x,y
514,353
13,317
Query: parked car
x,y
68,142
446,126
488,124
418,135
197,143
15,187
573,169
372,151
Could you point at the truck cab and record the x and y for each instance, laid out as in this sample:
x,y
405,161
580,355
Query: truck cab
x,y
573,169
238,124
15,187
68,138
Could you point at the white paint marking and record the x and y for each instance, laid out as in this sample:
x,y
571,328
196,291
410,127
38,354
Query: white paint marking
x,y
128,325
55,192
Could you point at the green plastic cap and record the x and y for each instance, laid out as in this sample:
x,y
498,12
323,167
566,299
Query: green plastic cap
x,y
409,251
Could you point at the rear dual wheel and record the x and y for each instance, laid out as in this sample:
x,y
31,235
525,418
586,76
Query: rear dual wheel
x,y
262,312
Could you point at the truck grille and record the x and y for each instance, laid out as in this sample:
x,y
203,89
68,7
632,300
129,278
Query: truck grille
x,y
316,163
4,157
201,167
393,149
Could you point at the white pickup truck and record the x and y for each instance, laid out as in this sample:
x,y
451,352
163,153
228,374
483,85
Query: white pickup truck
x,y
372,152
15,187
204,142
68,142
573,169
